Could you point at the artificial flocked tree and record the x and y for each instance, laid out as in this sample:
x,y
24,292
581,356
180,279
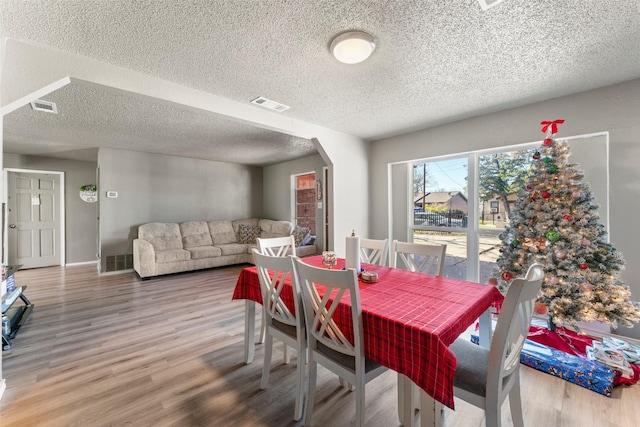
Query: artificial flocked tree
x,y
555,222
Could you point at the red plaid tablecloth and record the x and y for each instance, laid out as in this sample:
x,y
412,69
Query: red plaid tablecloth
x,y
409,320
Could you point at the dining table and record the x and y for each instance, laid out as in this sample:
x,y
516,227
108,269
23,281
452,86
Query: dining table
x,y
409,321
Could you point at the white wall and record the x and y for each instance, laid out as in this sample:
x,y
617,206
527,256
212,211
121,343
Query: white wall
x,y
615,109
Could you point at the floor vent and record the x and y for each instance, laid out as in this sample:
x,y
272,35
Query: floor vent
x,y
119,262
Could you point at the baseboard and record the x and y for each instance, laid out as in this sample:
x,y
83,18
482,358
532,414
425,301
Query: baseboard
x,y
74,264
109,273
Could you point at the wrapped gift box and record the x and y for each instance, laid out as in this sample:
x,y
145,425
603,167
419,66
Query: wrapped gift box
x,y
592,375
11,283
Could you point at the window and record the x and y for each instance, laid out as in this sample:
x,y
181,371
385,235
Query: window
x,y
452,204
305,201
441,209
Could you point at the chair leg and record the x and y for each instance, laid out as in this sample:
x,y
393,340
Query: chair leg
x,y
300,383
492,411
267,361
311,391
287,355
359,401
515,402
263,328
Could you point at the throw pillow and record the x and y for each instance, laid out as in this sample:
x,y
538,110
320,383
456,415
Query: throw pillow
x,y
299,233
309,239
248,233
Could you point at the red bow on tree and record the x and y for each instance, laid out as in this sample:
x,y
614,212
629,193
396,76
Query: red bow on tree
x,y
554,125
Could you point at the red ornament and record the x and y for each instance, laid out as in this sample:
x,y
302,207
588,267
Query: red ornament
x,y
584,266
540,308
532,221
547,141
536,155
506,276
568,218
546,195
528,187
493,281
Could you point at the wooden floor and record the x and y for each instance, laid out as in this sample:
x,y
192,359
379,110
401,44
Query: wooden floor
x,y
115,350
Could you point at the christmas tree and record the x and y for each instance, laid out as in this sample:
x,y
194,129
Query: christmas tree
x,y
555,222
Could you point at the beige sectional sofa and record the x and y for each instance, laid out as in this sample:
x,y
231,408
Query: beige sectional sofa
x,y
165,248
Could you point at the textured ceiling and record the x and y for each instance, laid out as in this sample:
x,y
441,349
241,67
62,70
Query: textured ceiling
x,y
435,62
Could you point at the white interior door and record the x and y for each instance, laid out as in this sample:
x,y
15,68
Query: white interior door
x,y
33,214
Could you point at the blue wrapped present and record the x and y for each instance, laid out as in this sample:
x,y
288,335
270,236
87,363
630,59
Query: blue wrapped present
x,y
592,375
11,283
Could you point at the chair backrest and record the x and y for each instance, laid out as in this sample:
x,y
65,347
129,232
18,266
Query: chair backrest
x,y
277,246
374,251
321,310
275,273
513,326
423,258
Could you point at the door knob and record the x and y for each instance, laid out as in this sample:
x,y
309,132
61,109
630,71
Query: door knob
x,y
12,226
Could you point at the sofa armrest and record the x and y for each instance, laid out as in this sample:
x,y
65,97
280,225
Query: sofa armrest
x,y
144,258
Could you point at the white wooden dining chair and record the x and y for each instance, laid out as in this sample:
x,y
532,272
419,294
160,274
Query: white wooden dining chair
x,y
328,345
374,251
422,258
280,322
486,377
278,247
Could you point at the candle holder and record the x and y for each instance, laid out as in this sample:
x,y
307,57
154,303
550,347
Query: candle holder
x,y
329,259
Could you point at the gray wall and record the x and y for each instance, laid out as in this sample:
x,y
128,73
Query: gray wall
x,y
156,188
81,226
277,190
615,109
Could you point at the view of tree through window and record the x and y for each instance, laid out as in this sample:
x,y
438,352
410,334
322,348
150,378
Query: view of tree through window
x,y
502,175
441,205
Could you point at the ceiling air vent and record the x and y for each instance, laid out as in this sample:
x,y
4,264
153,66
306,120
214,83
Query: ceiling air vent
x,y
486,4
46,106
272,105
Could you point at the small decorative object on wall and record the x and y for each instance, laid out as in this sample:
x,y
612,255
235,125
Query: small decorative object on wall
x,y
89,193
318,189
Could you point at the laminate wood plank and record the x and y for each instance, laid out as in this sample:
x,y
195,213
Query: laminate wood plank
x,y
116,350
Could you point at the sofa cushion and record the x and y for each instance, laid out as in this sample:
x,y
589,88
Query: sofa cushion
x,y
271,228
222,232
248,234
201,252
195,233
248,221
172,255
233,249
299,233
161,235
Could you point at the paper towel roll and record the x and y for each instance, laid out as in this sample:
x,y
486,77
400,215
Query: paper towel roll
x,y
352,259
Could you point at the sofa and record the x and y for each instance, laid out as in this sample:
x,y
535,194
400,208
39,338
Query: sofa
x,y
165,248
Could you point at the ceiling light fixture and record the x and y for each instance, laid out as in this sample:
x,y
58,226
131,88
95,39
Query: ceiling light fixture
x,y
352,47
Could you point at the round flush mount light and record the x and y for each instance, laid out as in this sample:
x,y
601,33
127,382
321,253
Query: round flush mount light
x,y
352,47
